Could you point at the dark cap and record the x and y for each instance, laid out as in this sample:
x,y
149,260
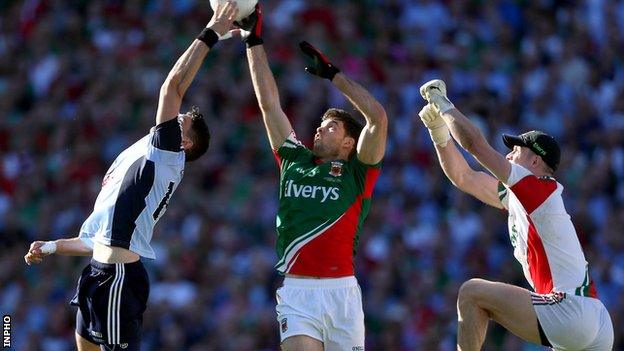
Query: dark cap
x,y
541,143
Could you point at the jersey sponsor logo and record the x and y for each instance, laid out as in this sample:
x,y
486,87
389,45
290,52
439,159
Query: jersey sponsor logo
x,y
311,173
284,324
311,191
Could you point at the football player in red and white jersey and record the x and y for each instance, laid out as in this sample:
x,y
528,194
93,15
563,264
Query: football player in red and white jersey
x,y
563,310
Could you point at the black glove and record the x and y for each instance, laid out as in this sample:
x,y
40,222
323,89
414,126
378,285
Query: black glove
x,y
320,63
253,25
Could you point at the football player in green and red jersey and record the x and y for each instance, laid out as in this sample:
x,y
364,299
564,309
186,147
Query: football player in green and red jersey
x,y
325,195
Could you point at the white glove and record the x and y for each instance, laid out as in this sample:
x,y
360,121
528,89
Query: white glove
x,y
434,91
438,130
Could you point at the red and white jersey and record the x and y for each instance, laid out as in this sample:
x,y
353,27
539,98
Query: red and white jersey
x,y
543,236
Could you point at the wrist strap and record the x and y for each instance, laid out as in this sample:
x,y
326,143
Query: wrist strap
x,y
209,37
253,40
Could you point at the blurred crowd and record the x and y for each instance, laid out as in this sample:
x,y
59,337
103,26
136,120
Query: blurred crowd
x,y
79,82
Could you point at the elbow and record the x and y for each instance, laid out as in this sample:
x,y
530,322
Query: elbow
x,y
268,106
167,86
382,118
379,120
170,87
468,144
457,179
472,142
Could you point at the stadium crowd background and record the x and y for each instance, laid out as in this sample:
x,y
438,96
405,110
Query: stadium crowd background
x,y
79,82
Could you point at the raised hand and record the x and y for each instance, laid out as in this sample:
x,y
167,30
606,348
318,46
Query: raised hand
x,y
438,130
251,28
434,91
223,17
320,64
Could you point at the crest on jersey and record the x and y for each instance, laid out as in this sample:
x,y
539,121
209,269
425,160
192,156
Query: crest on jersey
x,y
335,169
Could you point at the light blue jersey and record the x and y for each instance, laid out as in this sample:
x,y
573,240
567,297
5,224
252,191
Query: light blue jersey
x,y
136,190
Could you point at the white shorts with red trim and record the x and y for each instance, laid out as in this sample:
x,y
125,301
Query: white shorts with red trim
x,y
573,322
329,310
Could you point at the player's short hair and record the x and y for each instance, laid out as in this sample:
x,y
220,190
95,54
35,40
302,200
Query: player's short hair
x,y
353,128
199,134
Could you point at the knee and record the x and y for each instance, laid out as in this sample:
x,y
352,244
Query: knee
x,y
470,292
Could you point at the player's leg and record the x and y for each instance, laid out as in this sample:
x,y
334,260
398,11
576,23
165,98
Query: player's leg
x,y
480,300
344,316
299,315
85,345
301,343
113,299
84,342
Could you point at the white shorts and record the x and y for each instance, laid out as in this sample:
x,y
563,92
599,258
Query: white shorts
x,y
573,322
329,310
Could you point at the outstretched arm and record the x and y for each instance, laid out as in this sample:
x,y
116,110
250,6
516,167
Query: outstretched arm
x,y
277,125
372,142
465,132
478,184
183,72
66,247
275,121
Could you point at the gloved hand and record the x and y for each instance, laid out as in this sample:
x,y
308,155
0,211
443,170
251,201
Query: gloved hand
x,y
320,65
251,28
438,130
434,91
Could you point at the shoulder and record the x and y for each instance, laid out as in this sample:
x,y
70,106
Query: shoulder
x,y
356,162
292,150
532,191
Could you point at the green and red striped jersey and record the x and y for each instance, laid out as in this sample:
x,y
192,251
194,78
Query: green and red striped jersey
x,y
322,206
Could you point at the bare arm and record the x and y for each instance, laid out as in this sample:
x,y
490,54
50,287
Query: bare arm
x,y
478,184
183,72
72,247
471,139
277,125
372,142
66,247
464,131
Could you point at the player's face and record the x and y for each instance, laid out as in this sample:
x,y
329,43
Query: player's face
x,y
522,156
185,120
328,138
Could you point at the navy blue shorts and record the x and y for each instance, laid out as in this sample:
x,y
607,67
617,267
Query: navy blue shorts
x,y
111,299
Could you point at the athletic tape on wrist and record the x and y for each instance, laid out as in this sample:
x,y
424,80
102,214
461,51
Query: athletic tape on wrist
x,y
49,247
209,37
440,135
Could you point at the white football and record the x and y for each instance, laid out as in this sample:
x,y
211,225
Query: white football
x,y
245,7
